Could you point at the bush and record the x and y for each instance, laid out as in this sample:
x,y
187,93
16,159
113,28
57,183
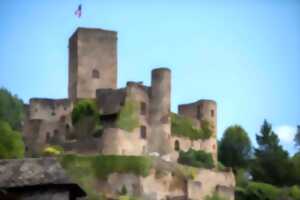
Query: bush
x,y
53,150
11,143
128,118
103,165
215,196
194,158
84,108
183,127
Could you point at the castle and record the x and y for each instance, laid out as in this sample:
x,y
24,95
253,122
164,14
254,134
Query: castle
x,y
93,75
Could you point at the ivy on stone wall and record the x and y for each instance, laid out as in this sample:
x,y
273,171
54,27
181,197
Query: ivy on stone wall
x,y
84,108
200,159
183,127
88,170
128,118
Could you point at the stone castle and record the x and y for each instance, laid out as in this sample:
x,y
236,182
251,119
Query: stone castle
x,y
93,70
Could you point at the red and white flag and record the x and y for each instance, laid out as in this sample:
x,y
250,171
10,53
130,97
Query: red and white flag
x,y
78,11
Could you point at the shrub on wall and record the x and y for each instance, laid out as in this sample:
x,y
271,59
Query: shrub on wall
x,y
215,196
87,170
86,118
195,158
11,143
128,118
53,150
183,127
84,108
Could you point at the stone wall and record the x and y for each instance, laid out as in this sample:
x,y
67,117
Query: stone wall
x,y
92,62
120,142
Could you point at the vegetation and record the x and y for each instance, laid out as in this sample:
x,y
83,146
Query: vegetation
x,y
215,196
128,118
86,118
297,138
271,161
53,150
183,127
11,143
86,170
11,109
235,147
194,158
84,108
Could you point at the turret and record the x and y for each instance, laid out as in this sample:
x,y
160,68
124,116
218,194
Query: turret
x,y
160,121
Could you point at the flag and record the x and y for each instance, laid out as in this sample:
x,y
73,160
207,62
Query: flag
x,y
78,11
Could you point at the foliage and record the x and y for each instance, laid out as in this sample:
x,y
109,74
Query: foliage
x,y
86,170
221,167
297,137
187,171
128,118
86,118
125,197
195,158
259,191
53,150
11,109
215,196
103,165
11,143
264,191
271,163
84,108
183,127
235,147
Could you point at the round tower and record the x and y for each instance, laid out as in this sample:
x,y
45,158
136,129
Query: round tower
x,y
207,112
160,111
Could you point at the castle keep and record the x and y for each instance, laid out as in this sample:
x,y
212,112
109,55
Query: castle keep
x,y
93,75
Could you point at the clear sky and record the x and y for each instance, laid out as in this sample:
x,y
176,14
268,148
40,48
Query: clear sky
x,y
243,54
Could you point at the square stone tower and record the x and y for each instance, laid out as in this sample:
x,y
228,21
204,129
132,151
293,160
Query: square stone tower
x,y
92,62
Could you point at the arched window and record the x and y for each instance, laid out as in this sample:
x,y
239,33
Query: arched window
x,y
177,145
95,74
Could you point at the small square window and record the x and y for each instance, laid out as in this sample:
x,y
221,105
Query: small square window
x,y
95,74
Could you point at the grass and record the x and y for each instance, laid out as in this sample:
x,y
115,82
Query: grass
x,y
183,127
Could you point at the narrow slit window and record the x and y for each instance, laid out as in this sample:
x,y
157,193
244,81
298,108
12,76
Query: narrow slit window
x,y
143,132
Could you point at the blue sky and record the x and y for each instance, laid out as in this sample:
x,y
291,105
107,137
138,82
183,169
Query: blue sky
x,y
243,54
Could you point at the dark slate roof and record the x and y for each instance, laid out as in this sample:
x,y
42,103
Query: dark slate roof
x,y
18,173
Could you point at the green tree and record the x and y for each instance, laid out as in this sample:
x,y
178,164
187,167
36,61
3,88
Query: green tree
x,y
11,109
271,163
297,137
235,148
85,118
11,143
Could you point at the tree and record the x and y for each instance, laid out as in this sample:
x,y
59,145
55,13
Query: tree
x,y
11,109
297,137
11,143
85,118
235,148
271,164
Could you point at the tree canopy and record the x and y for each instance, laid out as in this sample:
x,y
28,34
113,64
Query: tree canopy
x,y
11,109
11,143
235,147
272,161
